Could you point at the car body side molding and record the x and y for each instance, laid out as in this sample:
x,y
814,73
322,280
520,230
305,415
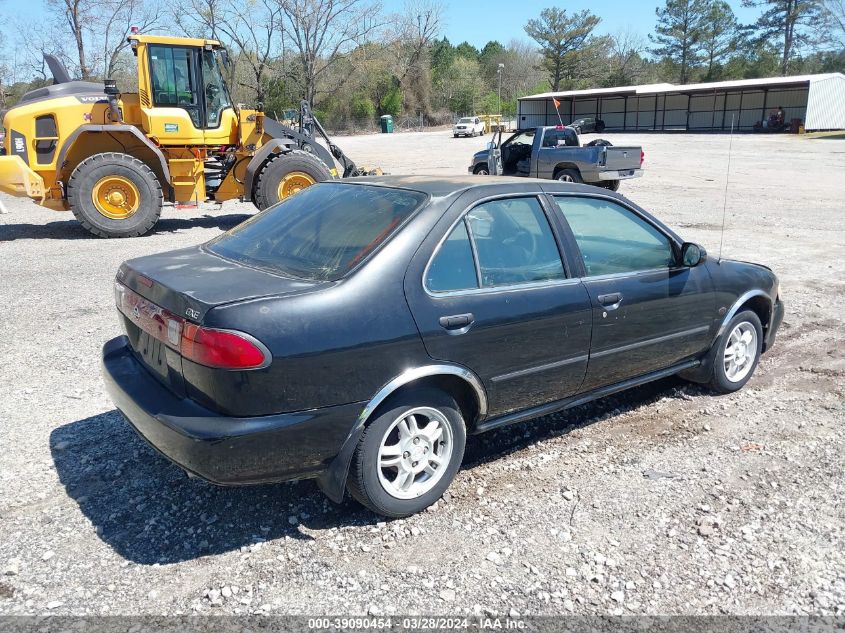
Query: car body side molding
x,y
333,480
583,398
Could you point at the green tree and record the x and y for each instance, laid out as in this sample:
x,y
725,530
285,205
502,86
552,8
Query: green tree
x,y
441,54
792,24
718,35
562,38
678,33
465,49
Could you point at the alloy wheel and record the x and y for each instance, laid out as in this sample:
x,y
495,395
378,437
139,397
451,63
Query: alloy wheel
x,y
414,453
740,351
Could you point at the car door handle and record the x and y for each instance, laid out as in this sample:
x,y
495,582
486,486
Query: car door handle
x,y
456,321
610,301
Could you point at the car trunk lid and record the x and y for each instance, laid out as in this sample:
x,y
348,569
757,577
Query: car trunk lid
x,y
157,295
191,281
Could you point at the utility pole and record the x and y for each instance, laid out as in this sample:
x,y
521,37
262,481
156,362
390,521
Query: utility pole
x,y
499,72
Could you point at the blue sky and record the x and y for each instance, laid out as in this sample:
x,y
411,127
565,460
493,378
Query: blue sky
x,y
478,21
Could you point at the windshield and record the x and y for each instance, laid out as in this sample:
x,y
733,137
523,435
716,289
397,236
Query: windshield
x,y
320,233
465,121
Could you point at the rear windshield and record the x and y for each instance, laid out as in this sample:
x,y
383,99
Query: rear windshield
x,y
320,233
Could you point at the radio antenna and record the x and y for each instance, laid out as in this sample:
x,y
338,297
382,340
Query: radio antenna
x,y
727,181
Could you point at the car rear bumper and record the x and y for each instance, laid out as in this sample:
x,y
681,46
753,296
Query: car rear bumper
x,y
622,174
220,449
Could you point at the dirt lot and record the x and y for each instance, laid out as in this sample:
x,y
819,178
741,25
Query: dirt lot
x,y
661,500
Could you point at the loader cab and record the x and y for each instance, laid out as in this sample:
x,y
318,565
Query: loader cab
x,y
184,98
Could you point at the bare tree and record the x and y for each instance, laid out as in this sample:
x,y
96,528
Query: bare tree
x,y
78,15
626,57
32,43
413,31
99,29
118,17
251,27
834,12
324,32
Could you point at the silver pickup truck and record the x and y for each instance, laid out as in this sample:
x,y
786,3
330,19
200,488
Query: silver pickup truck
x,y
556,153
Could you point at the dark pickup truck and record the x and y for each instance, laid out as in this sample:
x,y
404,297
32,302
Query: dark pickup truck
x,y
556,153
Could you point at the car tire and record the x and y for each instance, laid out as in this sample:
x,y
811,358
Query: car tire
x,y
288,172
114,195
481,170
728,376
376,487
568,175
613,185
600,126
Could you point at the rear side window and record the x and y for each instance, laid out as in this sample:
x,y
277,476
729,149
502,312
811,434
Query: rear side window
x,y
453,268
499,243
320,233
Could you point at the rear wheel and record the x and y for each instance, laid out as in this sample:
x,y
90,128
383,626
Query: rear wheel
x,y
409,454
286,174
568,175
114,195
613,185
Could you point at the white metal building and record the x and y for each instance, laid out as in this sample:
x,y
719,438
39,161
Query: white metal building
x,y
817,100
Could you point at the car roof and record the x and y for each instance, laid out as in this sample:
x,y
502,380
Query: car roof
x,y
444,185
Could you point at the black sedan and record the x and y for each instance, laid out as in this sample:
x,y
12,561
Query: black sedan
x,y
587,125
358,331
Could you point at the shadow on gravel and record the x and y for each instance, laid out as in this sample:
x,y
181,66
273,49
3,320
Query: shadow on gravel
x,y
72,230
150,512
496,444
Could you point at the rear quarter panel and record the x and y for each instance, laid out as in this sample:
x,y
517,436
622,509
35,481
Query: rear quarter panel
x,y
334,346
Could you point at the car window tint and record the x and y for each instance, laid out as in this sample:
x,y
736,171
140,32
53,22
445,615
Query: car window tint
x,y
453,267
613,239
514,242
322,232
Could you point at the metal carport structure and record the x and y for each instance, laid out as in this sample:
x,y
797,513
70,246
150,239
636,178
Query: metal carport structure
x,y
817,100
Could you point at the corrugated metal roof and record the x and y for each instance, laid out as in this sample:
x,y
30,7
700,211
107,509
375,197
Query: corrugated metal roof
x,y
665,88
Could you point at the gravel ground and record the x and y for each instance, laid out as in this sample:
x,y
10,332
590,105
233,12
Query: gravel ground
x,y
662,500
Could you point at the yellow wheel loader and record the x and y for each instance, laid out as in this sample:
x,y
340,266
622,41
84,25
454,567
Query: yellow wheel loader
x,y
113,158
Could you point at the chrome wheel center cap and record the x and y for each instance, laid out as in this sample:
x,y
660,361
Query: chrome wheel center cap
x,y
417,451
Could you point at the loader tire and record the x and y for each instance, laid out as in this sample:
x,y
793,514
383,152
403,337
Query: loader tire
x,y
285,174
114,195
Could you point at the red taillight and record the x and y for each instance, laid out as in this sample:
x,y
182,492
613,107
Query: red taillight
x,y
220,348
642,157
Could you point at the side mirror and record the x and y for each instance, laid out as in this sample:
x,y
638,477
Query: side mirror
x,y
692,254
224,56
491,145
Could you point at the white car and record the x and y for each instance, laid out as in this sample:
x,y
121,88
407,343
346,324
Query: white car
x,y
468,126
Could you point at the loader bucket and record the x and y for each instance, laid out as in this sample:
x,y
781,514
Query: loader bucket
x,y
17,179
